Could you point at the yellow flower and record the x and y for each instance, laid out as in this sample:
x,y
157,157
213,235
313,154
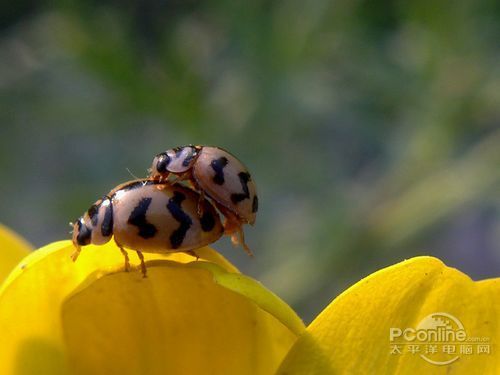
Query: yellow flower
x,y
204,317
352,335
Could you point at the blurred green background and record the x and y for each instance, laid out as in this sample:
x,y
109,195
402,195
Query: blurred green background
x,y
372,129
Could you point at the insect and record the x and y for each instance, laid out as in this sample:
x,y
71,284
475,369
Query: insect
x,y
146,219
216,173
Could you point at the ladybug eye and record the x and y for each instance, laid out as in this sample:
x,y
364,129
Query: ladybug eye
x,y
162,163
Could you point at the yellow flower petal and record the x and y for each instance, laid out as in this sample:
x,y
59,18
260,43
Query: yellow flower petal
x,y
252,289
352,334
60,317
13,248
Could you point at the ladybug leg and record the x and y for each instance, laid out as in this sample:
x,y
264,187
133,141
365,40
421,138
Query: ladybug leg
x,y
191,182
175,180
193,254
125,255
143,265
164,178
238,238
180,177
233,228
75,253
162,181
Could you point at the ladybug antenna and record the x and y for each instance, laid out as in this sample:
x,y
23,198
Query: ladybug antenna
x,y
133,175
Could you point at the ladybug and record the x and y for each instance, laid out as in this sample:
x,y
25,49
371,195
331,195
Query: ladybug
x,y
146,219
216,173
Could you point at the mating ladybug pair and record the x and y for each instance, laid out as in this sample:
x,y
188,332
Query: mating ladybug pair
x,y
161,214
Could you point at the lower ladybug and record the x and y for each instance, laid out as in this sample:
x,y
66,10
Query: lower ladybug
x,y
142,217
216,173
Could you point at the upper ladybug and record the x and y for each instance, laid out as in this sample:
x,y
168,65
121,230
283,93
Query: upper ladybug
x,y
217,174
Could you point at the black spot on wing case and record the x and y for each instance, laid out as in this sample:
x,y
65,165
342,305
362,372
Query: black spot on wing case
x,y
174,207
138,218
255,204
207,221
238,197
218,167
